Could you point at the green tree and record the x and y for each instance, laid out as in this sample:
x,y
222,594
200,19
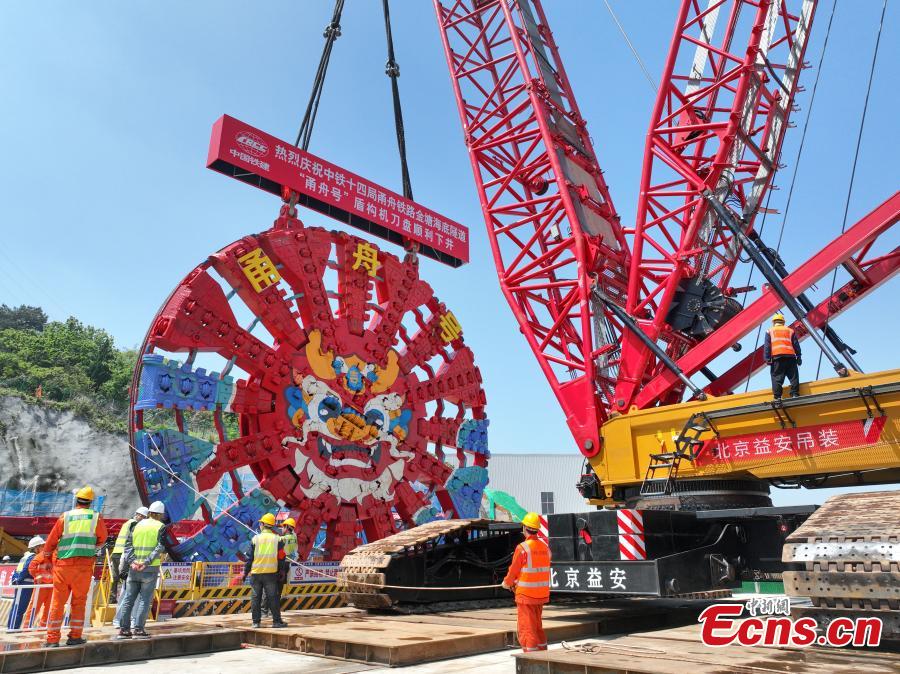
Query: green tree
x,y
22,317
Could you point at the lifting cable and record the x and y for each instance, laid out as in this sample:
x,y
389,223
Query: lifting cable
x,y
392,70
168,470
787,206
332,33
862,124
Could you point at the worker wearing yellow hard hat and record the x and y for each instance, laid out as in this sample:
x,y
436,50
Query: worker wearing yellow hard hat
x,y
73,541
529,578
781,351
289,540
264,561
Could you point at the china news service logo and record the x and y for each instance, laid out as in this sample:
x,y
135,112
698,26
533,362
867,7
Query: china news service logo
x,y
766,621
252,143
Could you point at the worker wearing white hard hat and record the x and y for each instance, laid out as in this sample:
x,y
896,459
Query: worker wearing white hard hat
x,y
41,570
22,576
117,569
144,548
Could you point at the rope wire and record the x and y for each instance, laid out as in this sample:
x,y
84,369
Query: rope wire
x,y
295,560
332,33
392,70
787,206
634,51
859,135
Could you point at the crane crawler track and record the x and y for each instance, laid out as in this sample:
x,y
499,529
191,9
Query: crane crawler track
x,y
412,567
850,553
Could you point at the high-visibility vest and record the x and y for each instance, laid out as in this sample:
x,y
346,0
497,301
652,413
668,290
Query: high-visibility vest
x,y
534,579
265,553
144,539
79,536
23,565
290,545
781,337
119,547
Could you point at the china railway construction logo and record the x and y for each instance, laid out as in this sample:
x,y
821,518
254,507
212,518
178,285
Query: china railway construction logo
x,y
767,621
252,143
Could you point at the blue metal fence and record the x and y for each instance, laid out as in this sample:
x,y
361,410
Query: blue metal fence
x,y
30,503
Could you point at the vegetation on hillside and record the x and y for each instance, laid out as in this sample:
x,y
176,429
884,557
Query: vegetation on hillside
x,y
68,365
72,366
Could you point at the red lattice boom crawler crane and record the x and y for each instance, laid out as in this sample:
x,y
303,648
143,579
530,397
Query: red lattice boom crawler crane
x,y
622,317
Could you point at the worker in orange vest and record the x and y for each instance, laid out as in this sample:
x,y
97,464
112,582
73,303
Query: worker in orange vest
x,y
41,569
529,578
782,353
72,544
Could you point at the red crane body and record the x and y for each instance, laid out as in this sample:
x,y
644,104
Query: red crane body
x,y
606,308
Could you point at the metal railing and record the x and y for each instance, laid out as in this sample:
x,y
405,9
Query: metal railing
x,y
25,608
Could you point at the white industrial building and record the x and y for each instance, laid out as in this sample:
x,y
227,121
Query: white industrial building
x,y
543,483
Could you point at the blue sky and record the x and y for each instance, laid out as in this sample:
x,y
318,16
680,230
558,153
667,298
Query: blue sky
x,y
106,203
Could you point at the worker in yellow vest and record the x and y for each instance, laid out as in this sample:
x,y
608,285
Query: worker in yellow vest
x,y
264,560
117,570
144,547
529,578
289,538
72,546
782,353
23,576
289,541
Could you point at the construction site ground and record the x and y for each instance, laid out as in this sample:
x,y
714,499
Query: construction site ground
x,y
634,635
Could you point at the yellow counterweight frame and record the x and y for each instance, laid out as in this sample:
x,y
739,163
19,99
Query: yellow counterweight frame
x,y
628,441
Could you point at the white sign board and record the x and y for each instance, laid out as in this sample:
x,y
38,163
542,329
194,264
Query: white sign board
x,y
176,575
313,572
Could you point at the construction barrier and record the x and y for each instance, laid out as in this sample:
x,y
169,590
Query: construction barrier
x,y
215,588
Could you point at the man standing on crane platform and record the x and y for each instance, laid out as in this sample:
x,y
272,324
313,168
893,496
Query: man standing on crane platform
x,y
782,353
529,578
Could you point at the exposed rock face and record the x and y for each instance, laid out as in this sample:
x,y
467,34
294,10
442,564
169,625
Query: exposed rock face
x,y
56,451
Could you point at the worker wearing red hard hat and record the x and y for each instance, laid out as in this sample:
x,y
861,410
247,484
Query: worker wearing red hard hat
x,y
529,578
72,544
41,569
264,561
782,353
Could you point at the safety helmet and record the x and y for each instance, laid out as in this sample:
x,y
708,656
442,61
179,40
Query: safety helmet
x,y
778,318
268,519
85,494
142,511
531,521
34,542
157,507
289,522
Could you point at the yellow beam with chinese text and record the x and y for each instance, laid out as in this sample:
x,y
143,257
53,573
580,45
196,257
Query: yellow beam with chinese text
x,y
830,437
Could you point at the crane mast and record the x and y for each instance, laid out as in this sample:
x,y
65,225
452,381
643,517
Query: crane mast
x,y
553,228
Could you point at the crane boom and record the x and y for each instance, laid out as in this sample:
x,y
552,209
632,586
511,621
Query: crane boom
x,y
717,127
553,228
